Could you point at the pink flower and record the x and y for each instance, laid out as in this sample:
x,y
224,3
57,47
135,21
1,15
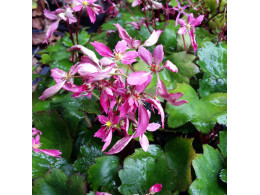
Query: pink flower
x,y
141,78
119,54
171,98
92,9
133,43
63,80
136,2
144,142
190,26
180,9
102,193
58,15
155,188
109,125
35,131
36,144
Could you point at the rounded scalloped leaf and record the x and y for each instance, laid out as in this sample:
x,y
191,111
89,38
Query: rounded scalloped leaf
x,y
223,175
207,167
202,113
56,182
104,173
213,61
55,133
180,153
144,169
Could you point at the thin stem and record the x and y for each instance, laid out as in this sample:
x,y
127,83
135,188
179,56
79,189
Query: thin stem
x,y
77,29
57,3
131,67
154,21
71,35
88,121
129,11
110,84
118,74
146,19
95,95
184,43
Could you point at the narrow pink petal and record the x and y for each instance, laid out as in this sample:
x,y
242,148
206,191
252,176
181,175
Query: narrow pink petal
x,y
190,18
197,21
142,87
158,54
135,3
176,96
182,22
74,69
138,78
170,66
152,40
144,142
143,121
107,141
105,61
91,14
155,188
129,57
123,34
120,145
157,5
102,49
177,18
54,153
116,120
52,90
77,8
104,101
35,131
182,30
91,55
86,69
103,119
121,46
101,132
102,74
58,74
145,55
159,108
50,31
178,103
50,15
153,127
193,40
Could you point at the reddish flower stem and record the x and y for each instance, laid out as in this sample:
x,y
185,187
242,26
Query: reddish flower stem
x,y
131,67
110,84
77,29
129,11
154,21
146,19
57,3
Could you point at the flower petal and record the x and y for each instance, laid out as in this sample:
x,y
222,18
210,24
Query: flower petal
x,y
50,15
121,46
143,121
144,142
129,57
153,38
153,127
120,145
54,153
182,30
170,66
50,31
158,54
102,49
107,141
197,21
138,78
52,90
145,55
91,55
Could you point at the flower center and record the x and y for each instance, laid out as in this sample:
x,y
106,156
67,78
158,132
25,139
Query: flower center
x,y
108,124
118,56
85,3
155,67
36,146
188,26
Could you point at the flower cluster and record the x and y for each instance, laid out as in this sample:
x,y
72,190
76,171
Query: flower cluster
x,y
36,145
122,94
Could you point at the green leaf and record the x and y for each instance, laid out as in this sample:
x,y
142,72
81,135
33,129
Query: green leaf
x,y
104,173
202,36
180,153
185,65
40,106
46,59
41,163
202,113
63,64
223,143
83,37
55,134
223,175
68,108
88,153
144,169
213,61
207,167
89,106
168,37
56,182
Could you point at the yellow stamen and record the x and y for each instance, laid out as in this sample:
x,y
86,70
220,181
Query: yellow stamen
x,y
108,124
36,146
118,56
188,26
85,3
